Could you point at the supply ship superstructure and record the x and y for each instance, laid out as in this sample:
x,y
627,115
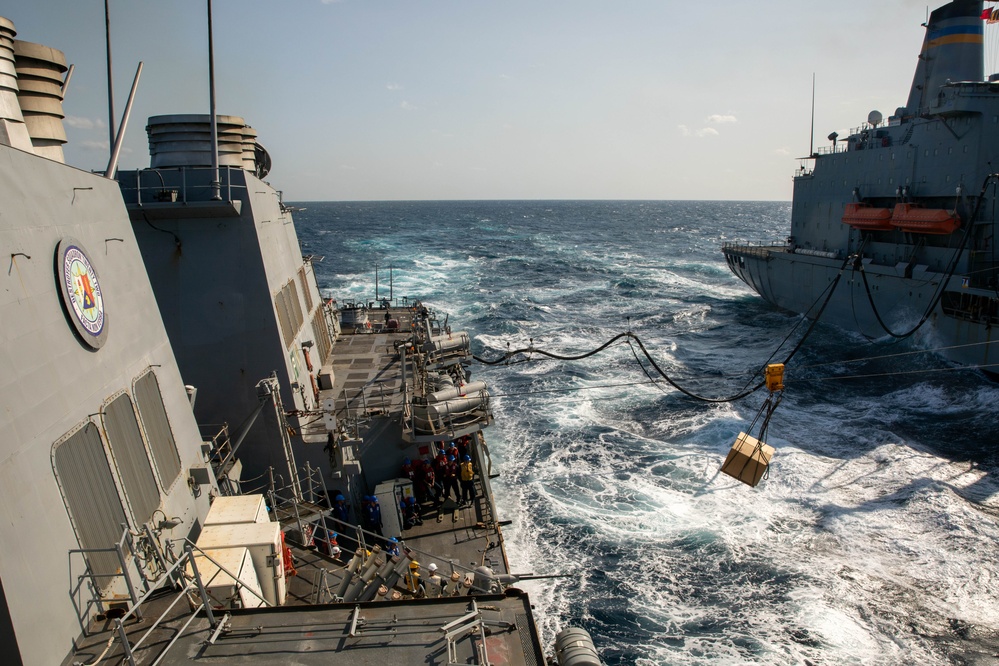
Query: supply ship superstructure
x,y
893,229
194,435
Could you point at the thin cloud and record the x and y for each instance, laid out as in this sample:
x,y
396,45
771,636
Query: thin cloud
x,y
393,86
719,119
98,146
84,123
783,152
700,133
406,106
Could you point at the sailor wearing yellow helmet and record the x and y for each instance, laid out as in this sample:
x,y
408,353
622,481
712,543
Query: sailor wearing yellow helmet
x,y
414,583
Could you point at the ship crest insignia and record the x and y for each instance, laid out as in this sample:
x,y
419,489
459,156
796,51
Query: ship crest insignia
x,y
81,292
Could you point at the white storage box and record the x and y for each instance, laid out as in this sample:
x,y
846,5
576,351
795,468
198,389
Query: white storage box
x,y
222,587
238,509
263,540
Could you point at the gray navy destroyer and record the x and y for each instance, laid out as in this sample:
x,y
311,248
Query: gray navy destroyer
x,y
192,432
893,228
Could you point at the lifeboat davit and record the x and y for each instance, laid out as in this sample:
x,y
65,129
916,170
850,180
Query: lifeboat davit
x,y
915,218
867,217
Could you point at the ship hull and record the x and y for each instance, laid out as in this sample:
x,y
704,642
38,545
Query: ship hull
x,y
801,283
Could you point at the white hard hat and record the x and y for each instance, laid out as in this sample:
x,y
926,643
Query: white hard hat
x,y
432,567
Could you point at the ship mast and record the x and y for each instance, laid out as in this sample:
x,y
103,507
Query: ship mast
x,y
811,137
107,36
213,122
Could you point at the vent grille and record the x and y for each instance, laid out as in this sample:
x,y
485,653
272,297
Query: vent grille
x,y
88,488
129,454
156,423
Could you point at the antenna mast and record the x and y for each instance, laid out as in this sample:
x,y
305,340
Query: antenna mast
x,y
811,144
213,123
107,32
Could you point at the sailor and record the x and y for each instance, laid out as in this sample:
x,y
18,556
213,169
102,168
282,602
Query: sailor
x,y
413,581
341,511
329,545
372,515
463,443
407,470
435,584
451,479
467,480
392,547
411,512
430,487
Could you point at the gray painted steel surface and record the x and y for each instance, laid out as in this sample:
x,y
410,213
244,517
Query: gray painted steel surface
x,y
51,383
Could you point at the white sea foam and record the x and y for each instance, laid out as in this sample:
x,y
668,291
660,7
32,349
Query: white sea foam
x,y
865,545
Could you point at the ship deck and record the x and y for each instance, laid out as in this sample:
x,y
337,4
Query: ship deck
x,y
493,629
312,627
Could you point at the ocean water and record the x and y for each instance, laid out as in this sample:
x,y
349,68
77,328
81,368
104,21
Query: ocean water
x,y
873,541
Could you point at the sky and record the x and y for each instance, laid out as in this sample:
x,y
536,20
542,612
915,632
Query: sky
x,y
501,99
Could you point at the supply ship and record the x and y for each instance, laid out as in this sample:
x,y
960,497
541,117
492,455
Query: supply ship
x,y
196,440
893,228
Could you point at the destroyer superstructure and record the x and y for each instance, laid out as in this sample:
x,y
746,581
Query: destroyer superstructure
x,y
903,208
120,542
99,441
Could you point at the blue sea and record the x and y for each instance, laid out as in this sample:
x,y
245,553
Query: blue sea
x,y
873,541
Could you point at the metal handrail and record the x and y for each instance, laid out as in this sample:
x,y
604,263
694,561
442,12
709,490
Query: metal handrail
x,y
184,189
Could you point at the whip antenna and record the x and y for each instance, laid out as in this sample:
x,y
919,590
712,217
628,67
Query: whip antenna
x,y
811,142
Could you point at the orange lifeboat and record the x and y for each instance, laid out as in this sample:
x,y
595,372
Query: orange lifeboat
x,y
915,218
867,217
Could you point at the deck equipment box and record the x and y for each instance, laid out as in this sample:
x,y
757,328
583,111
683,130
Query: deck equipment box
x,y
263,540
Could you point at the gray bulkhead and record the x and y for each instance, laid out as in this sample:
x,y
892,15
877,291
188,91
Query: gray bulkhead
x,y
54,386
237,298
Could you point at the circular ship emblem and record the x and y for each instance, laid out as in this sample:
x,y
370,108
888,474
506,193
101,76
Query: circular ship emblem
x,y
81,292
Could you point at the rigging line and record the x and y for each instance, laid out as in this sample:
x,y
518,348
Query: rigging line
x,y
830,288
745,391
818,315
963,368
532,349
934,350
685,378
642,366
943,282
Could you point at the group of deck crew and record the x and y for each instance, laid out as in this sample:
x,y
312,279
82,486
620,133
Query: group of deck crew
x,y
434,478
449,471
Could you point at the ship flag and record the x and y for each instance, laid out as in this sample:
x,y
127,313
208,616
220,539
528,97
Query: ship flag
x,y
991,15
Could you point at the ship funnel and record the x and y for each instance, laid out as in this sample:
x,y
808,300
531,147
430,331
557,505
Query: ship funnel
x,y
952,51
13,131
40,72
185,140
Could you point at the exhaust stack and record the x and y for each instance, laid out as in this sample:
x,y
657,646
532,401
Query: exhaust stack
x,y
952,51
